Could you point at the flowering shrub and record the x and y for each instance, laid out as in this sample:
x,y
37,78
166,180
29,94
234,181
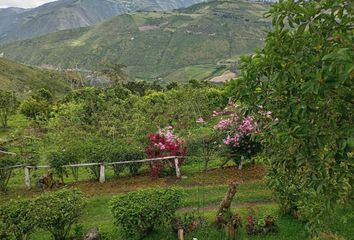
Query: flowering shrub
x,y
163,144
241,134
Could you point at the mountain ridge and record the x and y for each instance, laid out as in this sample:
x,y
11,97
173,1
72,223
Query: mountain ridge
x,y
155,45
19,24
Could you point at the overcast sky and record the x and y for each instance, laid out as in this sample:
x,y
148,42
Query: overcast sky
x,y
22,3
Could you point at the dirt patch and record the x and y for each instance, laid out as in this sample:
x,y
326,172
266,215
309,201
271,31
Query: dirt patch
x,y
226,76
216,176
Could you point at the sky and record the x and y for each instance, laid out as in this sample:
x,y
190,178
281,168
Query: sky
x,y
22,3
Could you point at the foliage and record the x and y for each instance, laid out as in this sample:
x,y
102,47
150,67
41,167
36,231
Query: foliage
x,y
5,172
304,75
125,151
58,159
35,109
8,105
163,144
4,234
56,212
139,213
203,142
242,134
17,217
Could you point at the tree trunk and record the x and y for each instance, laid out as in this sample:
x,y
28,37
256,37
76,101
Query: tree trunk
x,y
180,234
226,203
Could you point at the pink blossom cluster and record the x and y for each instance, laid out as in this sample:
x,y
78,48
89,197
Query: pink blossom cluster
x,y
223,124
247,125
236,126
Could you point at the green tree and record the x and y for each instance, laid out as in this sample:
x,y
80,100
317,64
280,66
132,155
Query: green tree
x,y
8,105
304,75
35,109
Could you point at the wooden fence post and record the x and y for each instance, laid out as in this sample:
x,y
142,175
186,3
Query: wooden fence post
x,y
178,171
102,173
27,178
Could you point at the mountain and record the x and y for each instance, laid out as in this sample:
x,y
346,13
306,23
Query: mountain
x,y
175,46
24,79
19,24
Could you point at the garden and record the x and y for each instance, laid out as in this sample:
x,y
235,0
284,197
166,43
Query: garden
x,y
268,155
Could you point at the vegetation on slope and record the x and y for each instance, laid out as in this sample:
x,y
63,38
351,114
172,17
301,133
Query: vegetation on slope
x,y
24,79
154,45
17,23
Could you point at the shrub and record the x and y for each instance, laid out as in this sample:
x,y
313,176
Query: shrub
x,y
4,235
35,109
57,161
94,152
18,219
162,144
56,212
203,143
5,172
124,151
139,213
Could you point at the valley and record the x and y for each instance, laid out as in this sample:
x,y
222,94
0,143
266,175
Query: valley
x,y
164,46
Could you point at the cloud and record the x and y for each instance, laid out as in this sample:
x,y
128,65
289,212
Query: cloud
x,y
23,3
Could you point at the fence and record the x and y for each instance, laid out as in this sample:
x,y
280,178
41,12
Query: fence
x,y
102,177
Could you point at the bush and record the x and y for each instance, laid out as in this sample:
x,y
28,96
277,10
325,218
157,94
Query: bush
x,y
35,109
121,152
139,213
4,235
18,219
57,161
203,143
56,212
5,173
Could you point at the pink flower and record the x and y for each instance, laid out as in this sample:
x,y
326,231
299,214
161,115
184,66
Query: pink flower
x,y
228,140
223,124
247,125
200,120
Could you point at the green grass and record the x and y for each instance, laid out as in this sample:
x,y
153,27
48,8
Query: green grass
x,y
97,214
16,123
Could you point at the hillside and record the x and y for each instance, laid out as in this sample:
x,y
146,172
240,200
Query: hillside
x,y
17,24
24,79
189,42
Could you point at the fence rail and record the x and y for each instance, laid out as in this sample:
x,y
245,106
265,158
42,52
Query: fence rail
x,y
102,166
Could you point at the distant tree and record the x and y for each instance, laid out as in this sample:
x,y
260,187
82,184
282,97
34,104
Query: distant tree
x,y
43,94
114,71
8,105
137,87
172,85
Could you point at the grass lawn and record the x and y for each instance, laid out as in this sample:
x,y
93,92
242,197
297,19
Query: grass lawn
x,y
249,196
